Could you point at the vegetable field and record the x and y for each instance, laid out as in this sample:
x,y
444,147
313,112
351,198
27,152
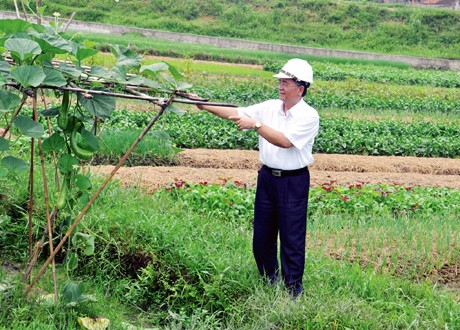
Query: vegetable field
x,y
167,244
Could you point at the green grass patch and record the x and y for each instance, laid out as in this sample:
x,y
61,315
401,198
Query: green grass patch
x,y
175,259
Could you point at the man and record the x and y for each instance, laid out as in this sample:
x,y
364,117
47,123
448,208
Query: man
x,y
287,128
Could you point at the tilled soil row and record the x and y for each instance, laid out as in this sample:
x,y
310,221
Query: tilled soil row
x,y
217,166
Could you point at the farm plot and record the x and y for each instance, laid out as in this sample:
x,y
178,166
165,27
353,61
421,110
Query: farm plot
x,y
214,166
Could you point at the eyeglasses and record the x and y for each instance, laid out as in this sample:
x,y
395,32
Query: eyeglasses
x,y
286,84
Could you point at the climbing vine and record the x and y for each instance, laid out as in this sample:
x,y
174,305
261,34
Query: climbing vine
x,y
39,59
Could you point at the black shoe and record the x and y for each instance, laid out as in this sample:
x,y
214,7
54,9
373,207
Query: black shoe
x,y
295,290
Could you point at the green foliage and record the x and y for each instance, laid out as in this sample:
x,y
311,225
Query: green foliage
x,y
350,94
384,75
338,134
155,148
233,201
181,262
380,28
362,198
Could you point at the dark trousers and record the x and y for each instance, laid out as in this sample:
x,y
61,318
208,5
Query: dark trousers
x,y
281,208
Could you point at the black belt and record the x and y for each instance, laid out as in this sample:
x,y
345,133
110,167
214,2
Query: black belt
x,y
277,172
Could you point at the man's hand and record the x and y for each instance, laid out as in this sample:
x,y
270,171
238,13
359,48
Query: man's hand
x,y
195,96
243,122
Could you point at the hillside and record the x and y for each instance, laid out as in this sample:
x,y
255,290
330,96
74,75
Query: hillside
x,y
371,27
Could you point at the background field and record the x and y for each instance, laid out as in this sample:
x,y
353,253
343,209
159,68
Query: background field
x,y
172,235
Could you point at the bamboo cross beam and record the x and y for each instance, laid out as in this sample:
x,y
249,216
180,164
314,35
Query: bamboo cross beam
x,y
157,100
144,97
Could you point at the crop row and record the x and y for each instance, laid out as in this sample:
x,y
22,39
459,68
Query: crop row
x,y
335,95
234,200
337,134
379,74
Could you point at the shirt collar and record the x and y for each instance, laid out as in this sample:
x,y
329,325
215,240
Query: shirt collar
x,y
295,110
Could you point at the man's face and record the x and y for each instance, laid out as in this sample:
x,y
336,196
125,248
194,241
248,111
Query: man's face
x,y
288,89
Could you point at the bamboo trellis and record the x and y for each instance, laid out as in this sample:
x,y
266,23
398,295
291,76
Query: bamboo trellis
x,y
131,92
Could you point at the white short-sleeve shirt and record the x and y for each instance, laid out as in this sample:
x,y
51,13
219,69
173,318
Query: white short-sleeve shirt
x,y
299,124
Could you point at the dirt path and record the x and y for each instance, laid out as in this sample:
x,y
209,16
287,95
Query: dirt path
x,y
214,166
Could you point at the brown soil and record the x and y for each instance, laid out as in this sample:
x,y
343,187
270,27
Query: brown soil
x,y
215,166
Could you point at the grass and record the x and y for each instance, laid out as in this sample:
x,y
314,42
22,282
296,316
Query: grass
x,y
202,274
159,47
155,148
361,26
166,262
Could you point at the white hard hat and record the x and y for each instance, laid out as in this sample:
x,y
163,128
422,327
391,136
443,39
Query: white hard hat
x,y
296,69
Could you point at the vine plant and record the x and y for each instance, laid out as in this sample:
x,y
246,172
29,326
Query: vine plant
x,y
28,68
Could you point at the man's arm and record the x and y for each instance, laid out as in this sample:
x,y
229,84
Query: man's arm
x,y
222,112
273,136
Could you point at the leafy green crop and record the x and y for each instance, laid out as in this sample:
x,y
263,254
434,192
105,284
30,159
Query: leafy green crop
x,y
337,135
385,75
233,201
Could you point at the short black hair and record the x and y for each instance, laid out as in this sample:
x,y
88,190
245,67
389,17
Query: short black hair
x,y
305,85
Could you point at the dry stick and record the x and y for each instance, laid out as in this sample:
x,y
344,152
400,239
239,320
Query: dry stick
x,y
47,204
31,194
48,218
53,152
88,92
38,248
70,20
164,105
7,128
37,7
17,9
24,10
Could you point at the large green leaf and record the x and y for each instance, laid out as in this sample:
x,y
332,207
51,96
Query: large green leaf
x,y
3,80
126,57
14,164
98,105
119,73
176,74
53,143
82,182
51,43
183,86
72,292
100,72
28,75
89,141
8,101
4,144
9,26
5,67
154,69
70,70
68,163
85,242
177,111
28,127
23,48
53,78
83,53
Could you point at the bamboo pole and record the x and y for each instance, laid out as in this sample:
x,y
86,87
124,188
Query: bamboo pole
x,y
7,128
163,105
47,205
31,195
17,9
